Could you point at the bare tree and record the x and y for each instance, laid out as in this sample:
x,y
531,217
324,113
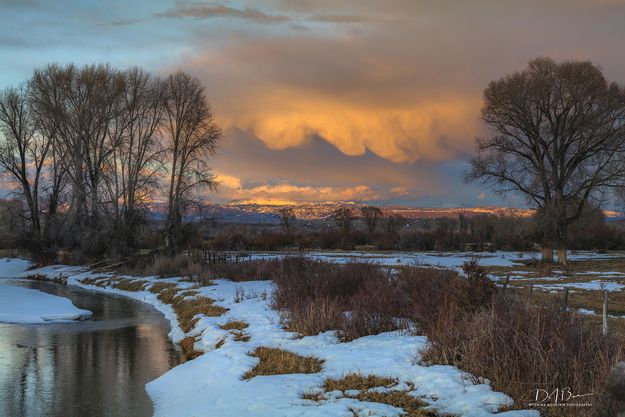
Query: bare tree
x,y
192,135
135,161
557,139
287,218
393,222
371,215
23,151
344,217
81,104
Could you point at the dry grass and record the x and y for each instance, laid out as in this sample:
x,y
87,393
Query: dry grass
x,y
172,266
257,270
89,281
313,296
157,287
186,304
314,395
412,406
521,347
169,295
356,381
241,336
234,325
102,282
576,272
274,361
187,310
189,293
130,284
188,348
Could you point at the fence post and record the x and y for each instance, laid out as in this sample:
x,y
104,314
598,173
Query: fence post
x,y
605,312
506,282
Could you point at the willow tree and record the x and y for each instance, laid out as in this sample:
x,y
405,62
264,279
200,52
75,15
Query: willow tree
x,y
556,137
192,136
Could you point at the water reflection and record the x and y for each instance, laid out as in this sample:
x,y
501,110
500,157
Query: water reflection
x,y
94,368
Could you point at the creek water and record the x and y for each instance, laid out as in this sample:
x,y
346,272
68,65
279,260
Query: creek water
x,y
97,367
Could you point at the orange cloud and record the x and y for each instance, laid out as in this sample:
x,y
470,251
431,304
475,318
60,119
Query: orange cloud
x,y
401,134
232,188
351,93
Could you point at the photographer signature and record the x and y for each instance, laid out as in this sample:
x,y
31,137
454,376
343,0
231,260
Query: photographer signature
x,y
559,396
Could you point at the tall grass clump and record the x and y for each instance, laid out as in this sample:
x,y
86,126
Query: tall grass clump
x,y
522,348
253,270
356,299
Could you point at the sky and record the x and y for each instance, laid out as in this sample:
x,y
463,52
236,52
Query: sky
x,y
328,100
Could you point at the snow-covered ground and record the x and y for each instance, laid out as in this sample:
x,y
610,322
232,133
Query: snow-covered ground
x,y
28,306
212,384
594,285
440,259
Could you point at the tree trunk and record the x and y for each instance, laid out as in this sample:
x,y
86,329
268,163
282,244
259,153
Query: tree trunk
x,y
547,253
562,256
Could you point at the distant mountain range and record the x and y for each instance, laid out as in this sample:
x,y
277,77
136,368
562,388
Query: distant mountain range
x,y
266,213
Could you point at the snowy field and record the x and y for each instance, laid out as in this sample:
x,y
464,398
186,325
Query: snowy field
x,y
212,384
439,259
28,306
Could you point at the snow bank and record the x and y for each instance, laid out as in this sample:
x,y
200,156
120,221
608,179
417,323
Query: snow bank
x,y
29,306
212,384
24,305
12,268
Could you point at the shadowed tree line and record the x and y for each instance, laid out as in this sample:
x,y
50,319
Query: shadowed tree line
x,y
86,149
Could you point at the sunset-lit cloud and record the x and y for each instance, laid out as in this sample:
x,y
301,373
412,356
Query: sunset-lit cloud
x,y
328,99
401,135
232,188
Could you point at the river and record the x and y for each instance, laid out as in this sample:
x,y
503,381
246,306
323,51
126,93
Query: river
x,y
98,367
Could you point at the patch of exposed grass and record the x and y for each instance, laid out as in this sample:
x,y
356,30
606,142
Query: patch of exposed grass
x,y
314,395
160,286
89,281
101,282
169,295
412,406
188,348
187,309
130,284
274,361
189,293
356,381
234,325
241,336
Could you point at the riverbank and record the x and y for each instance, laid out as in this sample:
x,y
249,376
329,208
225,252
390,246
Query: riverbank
x,y
213,383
